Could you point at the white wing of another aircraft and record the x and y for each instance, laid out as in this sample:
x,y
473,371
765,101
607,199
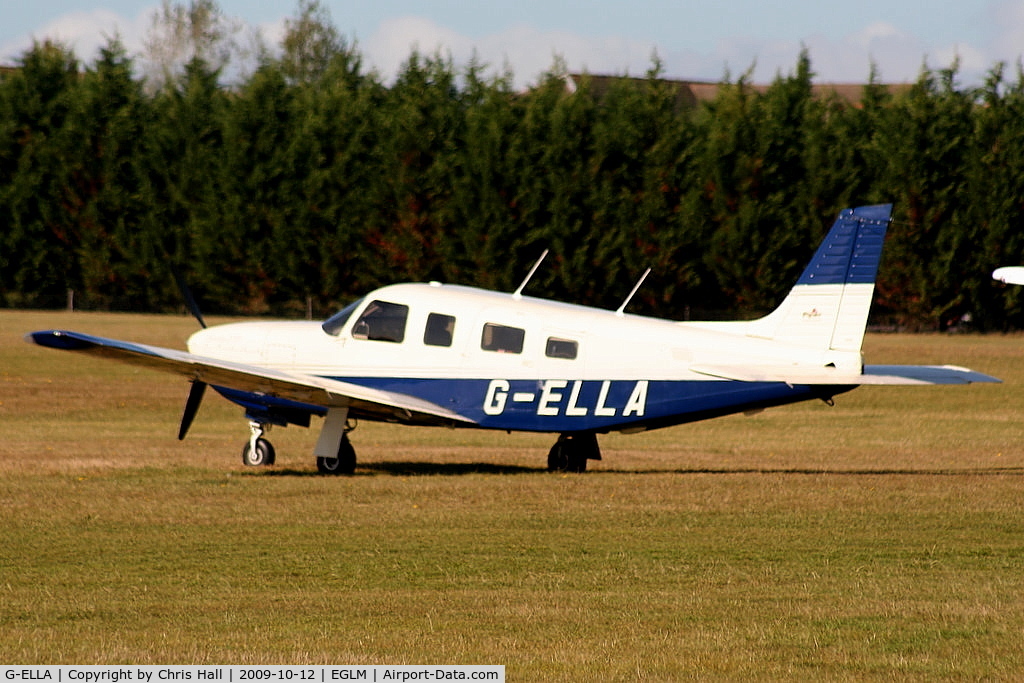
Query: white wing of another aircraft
x,y
433,354
1011,275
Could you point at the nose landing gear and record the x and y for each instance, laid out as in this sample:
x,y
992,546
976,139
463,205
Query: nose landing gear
x,y
258,452
334,452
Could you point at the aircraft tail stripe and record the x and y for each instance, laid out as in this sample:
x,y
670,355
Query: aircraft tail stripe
x,y
852,250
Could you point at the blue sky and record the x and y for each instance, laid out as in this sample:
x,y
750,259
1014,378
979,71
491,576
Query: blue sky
x,y
695,40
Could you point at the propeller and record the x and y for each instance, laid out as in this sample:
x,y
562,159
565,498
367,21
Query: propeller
x,y
186,294
198,388
195,397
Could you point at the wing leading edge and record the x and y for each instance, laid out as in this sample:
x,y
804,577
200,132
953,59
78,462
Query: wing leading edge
x,y
318,391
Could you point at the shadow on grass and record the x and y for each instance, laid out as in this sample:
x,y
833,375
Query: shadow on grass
x,y
409,469
414,469
882,471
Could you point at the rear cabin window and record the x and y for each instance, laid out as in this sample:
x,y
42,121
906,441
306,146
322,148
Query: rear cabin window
x,y
439,330
382,321
561,348
502,338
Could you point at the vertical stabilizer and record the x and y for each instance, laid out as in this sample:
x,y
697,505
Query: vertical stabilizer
x,y
827,309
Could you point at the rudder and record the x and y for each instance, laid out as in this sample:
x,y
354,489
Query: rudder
x,y
827,309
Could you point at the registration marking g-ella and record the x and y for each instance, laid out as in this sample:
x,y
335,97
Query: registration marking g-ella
x,y
552,394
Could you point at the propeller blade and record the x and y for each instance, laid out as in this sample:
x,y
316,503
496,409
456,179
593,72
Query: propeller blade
x,y
195,397
190,301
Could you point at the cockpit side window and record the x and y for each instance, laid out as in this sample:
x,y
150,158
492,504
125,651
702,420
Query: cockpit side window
x,y
382,321
502,338
333,325
439,330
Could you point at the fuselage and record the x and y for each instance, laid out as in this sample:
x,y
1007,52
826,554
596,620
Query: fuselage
x,y
519,363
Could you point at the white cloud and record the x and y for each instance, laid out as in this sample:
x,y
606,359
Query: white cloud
x,y
880,31
1008,20
390,47
85,33
529,52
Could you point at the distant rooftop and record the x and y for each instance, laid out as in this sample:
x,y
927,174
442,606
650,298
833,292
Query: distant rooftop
x,y
691,93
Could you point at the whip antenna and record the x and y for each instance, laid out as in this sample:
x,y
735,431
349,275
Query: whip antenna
x,y
519,292
629,298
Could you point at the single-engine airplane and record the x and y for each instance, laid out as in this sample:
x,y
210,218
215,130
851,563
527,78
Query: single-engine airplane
x,y
456,356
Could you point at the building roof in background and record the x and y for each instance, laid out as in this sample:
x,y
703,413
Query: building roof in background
x,y
690,93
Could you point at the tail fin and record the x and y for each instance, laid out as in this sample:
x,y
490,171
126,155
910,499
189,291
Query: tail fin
x,y
824,317
827,309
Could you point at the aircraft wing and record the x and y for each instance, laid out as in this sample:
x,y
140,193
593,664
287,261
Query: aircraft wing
x,y
1010,275
320,391
871,374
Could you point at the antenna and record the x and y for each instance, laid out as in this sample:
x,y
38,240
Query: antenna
x,y
519,292
629,298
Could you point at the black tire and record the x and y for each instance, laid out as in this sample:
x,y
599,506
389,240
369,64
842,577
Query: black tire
x,y
558,460
263,457
567,456
345,463
577,462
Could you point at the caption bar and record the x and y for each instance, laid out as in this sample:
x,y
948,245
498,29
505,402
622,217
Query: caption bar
x,y
249,674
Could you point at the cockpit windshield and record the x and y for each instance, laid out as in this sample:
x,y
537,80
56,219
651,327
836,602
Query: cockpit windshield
x,y
333,325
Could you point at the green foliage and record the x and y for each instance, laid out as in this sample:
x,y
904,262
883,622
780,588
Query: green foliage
x,y
39,156
309,181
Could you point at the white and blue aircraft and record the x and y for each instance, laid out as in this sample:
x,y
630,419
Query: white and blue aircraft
x,y
455,356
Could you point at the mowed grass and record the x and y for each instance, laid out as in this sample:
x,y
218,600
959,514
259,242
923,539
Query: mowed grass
x,y
879,538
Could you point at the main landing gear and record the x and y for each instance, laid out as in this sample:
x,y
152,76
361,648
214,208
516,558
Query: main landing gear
x,y
334,452
572,451
345,463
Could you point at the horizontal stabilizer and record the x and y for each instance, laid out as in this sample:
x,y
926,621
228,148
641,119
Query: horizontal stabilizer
x,y
318,391
872,374
790,374
923,374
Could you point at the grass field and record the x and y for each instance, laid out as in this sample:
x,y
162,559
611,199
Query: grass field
x,y
881,538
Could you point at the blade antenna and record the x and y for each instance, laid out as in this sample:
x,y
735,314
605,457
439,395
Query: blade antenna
x,y
519,292
621,310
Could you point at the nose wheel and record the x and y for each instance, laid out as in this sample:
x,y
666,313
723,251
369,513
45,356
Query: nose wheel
x,y
258,452
334,452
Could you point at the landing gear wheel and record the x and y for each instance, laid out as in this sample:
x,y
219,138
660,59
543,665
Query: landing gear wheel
x,y
262,456
345,463
571,452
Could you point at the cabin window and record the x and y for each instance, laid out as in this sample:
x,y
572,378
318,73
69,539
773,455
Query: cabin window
x,y
382,321
439,330
561,348
337,321
502,338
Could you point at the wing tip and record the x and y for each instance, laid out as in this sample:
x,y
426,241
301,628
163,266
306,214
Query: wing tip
x,y
59,339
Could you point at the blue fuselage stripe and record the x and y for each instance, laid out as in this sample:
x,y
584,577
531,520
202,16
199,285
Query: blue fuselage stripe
x,y
569,405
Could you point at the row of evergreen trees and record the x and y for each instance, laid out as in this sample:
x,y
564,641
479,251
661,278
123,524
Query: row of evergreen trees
x,y
310,181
